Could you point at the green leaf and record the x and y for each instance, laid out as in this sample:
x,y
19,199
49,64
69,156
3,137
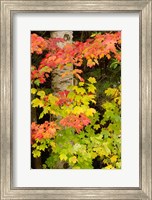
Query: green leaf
x,y
118,165
37,82
105,133
44,166
96,126
114,64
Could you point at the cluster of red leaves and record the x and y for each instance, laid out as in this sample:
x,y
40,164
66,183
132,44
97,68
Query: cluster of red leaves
x,y
63,98
38,44
95,48
46,130
74,53
76,121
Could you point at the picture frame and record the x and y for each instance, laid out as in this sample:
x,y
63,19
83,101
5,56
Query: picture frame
x,y
8,8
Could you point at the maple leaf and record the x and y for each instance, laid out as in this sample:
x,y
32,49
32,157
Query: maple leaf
x,y
109,167
63,98
84,119
76,121
46,130
91,89
90,112
113,158
73,54
41,94
96,126
37,102
38,44
81,83
33,91
92,80
63,157
73,159
90,63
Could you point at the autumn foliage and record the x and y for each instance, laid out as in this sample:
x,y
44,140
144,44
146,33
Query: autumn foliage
x,y
73,54
83,126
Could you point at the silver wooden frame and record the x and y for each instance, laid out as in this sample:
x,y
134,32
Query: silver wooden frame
x,y
143,7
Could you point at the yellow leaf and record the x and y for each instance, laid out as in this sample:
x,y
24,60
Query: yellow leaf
x,y
117,100
92,80
37,102
93,35
41,94
93,155
108,56
96,61
63,157
109,167
78,110
90,63
33,90
73,159
80,90
113,158
81,83
76,167
91,88
90,112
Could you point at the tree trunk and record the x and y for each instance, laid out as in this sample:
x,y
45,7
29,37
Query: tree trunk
x,y
59,83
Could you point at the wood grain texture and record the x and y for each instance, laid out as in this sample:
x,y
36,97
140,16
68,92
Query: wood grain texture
x,y
6,109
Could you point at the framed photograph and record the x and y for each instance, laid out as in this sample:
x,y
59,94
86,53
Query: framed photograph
x,y
76,99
